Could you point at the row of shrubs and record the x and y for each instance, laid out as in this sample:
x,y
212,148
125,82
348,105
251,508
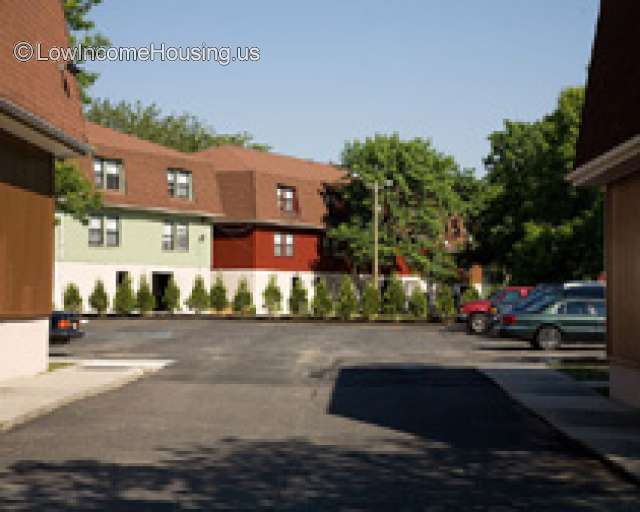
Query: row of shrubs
x,y
345,304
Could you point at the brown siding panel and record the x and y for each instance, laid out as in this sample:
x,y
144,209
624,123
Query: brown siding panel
x,y
623,269
26,229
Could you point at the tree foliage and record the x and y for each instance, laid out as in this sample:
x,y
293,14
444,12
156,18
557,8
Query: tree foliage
x,y
145,301
99,300
82,31
198,300
347,302
469,294
370,301
444,304
322,304
272,296
124,301
242,301
393,302
537,226
415,206
298,301
72,298
74,194
418,303
218,295
184,132
171,297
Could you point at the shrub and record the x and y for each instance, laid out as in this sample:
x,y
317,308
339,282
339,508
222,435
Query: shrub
x,y
272,296
321,305
218,295
171,297
370,301
347,303
242,302
72,298
145,301
198,301
418,303
469,294
99,299
444,302
394,297
124,301
298,301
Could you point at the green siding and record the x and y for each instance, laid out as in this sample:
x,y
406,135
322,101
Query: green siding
x,y
140,241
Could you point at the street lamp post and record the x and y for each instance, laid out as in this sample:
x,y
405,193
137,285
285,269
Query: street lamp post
x,y
376,221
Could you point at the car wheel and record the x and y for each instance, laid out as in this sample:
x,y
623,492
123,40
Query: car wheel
x,y
548,338
478,323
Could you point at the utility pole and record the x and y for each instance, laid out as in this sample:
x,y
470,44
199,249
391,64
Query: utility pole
x,y
375,235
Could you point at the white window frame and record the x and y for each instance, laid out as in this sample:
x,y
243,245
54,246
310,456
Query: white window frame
x,y
173,239
113,221
283,244
96,225
285,197
177,179
103,168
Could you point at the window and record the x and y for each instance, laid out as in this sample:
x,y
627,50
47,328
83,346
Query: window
x,y
108,174
282,244
286,197
113,231
103,229
175,236
179,183
575,308
95,232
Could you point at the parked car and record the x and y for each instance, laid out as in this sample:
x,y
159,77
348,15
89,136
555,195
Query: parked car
x,y
64,325
548,292
553,320
479,314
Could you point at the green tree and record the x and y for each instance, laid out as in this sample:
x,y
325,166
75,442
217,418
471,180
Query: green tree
x,y
124,301
184,132
298,301
99,300
218,295
82,31
445,305
72,298
74,194
347,302
198,301
272,296
145,301
394,299
171,297
370,301
242,301
322,304
418,303
419,199
469,294
537,226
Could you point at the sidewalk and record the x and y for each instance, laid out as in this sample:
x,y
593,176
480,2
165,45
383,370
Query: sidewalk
x,y
25,398
608,429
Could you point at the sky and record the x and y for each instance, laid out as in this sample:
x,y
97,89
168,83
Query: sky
x,y
333,71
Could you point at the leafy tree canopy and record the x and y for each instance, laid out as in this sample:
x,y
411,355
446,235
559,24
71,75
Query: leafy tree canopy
x,y
424,188
184,132
536,225
74,194
82,31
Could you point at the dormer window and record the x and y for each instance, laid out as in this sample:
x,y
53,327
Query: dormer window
x,y
179,183
108,174
286,198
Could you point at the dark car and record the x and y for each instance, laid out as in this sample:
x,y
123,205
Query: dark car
x,y
64,326
478,314
548,323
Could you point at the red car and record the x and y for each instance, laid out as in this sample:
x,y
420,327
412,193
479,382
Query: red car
x,y
478,314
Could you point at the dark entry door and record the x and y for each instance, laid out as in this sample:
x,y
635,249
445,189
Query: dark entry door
x,y
159,282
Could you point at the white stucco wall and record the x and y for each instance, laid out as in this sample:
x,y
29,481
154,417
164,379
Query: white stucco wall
x,y
24,348
85,275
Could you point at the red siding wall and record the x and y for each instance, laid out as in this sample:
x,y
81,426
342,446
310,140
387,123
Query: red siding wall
x,y
253,248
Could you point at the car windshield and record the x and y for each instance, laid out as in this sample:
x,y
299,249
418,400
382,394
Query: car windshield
x,y
593,292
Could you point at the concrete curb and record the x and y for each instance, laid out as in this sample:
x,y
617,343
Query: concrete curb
x,y
615,464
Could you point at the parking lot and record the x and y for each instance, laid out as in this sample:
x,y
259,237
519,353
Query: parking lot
x,y
288,416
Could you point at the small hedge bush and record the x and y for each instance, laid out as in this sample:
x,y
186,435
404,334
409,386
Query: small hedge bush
x,y
347,302
124,301
72,298
418,306
272,296
298,301
145,301
242,301
171,297
218,296
444,302
322,304
370,302
394,302
198,301
99,300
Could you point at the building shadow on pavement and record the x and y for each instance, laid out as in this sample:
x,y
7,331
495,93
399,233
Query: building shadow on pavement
x,y
451,441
